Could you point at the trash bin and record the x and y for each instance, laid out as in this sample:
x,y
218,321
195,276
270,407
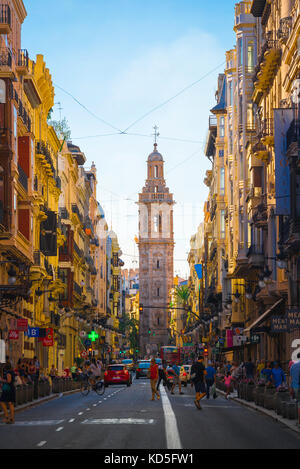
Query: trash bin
x,y
250,392
30,392
19,395
268,401
280,398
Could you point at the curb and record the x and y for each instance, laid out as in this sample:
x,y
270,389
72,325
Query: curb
x,y
288,423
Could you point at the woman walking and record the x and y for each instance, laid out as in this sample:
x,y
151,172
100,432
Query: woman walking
x,y
153,379
8,395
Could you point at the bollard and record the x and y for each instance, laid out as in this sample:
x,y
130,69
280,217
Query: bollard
x,y
291,410
250,392
30,392
19,395
281,397
268,401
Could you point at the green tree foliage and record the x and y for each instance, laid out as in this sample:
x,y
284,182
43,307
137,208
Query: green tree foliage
x,y
61,128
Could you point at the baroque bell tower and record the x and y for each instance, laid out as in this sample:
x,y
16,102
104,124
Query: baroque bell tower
x,y
156,255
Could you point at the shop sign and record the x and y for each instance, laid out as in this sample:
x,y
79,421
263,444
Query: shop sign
x,y
33,332
293,316
13,335
22,325
255,339
279,324
48,341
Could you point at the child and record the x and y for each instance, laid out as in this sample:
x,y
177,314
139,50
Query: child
x,y
228,380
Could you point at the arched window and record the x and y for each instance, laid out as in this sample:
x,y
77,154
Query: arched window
x,y
156,171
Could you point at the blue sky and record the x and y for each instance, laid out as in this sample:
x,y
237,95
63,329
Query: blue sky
x,y
120,59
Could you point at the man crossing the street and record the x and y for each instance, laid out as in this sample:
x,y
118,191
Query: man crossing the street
x,y
198,373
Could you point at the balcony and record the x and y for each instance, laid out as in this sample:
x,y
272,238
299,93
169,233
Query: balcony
x,y
256,257
43,150
77,212
5,57
268,64
77,289
64,214
23,178
293,136
22,62
260,215
5,19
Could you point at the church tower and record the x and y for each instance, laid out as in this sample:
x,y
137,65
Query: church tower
x,y
156,255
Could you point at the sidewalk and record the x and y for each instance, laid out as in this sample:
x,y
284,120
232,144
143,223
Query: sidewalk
x,y
292,424
42,400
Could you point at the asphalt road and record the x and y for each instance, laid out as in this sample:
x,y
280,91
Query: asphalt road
x,y
125,418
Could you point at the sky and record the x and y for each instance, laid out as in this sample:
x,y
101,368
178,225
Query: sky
x,y
123,61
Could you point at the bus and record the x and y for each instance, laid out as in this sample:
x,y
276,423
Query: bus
x,y
171,355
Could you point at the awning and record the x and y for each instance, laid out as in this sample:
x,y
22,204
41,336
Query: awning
x,y
263,317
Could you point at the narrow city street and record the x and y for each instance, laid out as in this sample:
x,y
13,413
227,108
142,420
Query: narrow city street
x,y
125,418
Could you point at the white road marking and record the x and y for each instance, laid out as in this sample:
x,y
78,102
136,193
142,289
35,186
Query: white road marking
x,y
35,423
118,422
42,443
172,433
80,413
71,420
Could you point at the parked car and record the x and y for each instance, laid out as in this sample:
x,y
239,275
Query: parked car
x,y
185,374
142,369
117,374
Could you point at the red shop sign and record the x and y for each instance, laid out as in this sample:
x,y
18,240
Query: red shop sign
x,y
13,335
22,325
48,341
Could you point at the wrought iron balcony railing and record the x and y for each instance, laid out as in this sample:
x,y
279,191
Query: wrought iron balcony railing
x,y
5,57
5,15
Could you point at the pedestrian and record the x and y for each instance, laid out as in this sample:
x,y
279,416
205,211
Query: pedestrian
x,y
235,373
295,378
8,394
228,379
162,375
198,374
266,374
37,367
278,376
249,369
259,368
53,373
175,371
210,378
153,374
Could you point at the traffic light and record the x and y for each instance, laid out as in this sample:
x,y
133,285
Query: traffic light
x,y
149,332
206,352
141,308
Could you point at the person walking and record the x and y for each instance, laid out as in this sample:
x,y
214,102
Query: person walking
x,y
176,381
228,379
295,379
249,369
210,378
198,374
278,375
162,375
153,374
8,394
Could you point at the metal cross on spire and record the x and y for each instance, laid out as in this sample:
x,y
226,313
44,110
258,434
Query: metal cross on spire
x,y
156,135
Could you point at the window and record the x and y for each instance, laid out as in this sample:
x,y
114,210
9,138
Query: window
x,y
240,51
222,224
158,292
222,127
157,264
221,153
156,223
250,56
222,181
230,94
156,171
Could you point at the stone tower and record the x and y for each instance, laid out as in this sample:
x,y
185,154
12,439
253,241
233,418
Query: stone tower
x,y
156,253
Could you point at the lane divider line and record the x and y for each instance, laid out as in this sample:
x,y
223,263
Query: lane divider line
x,y
171,428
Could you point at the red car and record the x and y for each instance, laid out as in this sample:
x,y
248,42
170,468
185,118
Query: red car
x,y
117,374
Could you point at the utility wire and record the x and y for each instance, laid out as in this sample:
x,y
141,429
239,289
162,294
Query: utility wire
x,y
173,97
87,110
